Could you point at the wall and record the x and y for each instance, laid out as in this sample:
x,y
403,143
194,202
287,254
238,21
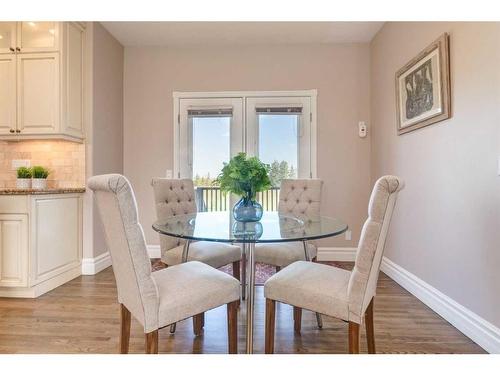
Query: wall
x,y
339,72
65,160
107,114
446,226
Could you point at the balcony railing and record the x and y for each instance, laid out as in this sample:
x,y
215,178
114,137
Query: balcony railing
x,y
211,198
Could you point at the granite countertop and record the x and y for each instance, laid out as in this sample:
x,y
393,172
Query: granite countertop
x,y
14,191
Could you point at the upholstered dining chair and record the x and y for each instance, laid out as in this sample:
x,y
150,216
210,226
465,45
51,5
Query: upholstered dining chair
x,y
300,198
346,295
156,299
176,197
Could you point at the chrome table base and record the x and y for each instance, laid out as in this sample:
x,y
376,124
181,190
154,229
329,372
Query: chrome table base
x,y
249,252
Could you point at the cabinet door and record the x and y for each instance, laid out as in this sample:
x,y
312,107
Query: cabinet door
x,y
7,94
56,235
13,250
37,37
74,45
7,37
38,93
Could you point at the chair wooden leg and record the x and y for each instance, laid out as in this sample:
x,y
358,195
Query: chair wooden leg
x,y
198,323
232,327
297,319
236,270
237,274
270,318
278,269
124,329
152,342
353,338
370,331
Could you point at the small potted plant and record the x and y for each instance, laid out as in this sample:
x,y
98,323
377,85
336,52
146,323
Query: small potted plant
x,y
39,175
245,177
23,178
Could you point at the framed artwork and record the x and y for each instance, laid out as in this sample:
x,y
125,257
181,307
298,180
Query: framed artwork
x,y
423,88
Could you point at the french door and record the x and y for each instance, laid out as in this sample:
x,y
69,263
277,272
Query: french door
x,y
277,128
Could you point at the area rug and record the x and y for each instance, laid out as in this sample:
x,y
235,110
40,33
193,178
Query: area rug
x,y
262,271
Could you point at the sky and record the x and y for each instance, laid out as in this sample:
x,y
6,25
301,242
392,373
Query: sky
x,y
277,141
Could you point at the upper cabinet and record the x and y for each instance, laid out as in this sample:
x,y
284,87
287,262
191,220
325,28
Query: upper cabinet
x,y
37,37
42,80
7,37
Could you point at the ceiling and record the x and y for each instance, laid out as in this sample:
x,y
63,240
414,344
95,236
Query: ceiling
x,y
242,33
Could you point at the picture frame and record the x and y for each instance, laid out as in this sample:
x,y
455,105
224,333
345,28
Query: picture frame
x,y
423,88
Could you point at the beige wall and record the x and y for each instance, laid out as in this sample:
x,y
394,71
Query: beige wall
x,y
339,72
107,124
446,226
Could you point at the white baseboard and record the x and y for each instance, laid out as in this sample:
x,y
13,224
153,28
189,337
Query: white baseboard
x,y
340,254
154,251
91,266
470,324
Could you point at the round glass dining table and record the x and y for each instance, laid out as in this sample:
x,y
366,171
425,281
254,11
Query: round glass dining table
x,y
220,226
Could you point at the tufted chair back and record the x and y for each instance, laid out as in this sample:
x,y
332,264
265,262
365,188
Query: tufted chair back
x,y
173,197
364,276
301,198
125,240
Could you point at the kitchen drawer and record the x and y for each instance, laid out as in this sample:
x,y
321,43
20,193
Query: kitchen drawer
x,y
14,204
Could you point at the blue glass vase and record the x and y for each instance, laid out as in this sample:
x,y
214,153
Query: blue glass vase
x,y
247,210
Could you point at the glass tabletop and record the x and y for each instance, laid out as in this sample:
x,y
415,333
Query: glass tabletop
x,y
221,227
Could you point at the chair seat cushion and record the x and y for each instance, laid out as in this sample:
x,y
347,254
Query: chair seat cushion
x,y
191,288
214,254
312,286
282,254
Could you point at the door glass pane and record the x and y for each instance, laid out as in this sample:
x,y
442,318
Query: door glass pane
x,y
6,30
38,34
278,145
211,148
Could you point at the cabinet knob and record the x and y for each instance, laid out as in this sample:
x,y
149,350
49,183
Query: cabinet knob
x,y
12,130
18,131
12,49
18,49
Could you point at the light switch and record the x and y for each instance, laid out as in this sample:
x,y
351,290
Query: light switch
x,y
498,172
348,235
16,163
362,129
169,173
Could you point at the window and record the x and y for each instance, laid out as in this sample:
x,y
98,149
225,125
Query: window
x,y
278,127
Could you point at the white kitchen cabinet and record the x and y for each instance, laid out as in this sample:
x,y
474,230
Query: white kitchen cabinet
x,y
30,36
8,37
38,93
37,36
40,242
13,250
47,70
8,109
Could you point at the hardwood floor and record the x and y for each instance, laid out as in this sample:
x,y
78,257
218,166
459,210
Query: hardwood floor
x,y
83,316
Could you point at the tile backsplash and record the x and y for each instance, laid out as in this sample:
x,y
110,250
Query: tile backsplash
x,y
65,160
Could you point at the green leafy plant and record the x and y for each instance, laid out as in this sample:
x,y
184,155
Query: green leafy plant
x,y
23,172
244,176
39,172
